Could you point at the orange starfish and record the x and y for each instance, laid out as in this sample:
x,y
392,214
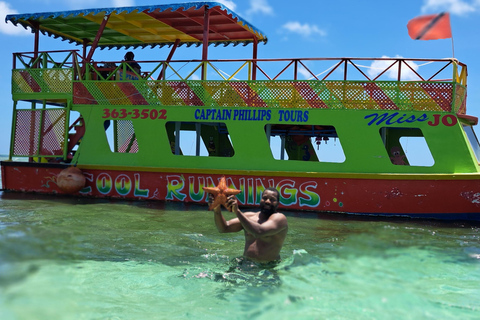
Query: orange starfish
x,y
221,193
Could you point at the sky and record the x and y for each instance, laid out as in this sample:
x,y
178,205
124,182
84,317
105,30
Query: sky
x,y
295,29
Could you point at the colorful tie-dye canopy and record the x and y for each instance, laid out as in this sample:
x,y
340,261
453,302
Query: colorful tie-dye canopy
x,y
141,26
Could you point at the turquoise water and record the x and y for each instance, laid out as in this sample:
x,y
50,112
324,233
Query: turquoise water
x,y
64,258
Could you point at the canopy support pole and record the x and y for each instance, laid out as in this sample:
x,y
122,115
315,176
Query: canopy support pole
x,y
206,29
169,58
97,37
36,27
255,53
37,39
84,53
88,58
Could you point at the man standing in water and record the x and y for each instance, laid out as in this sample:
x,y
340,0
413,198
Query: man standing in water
x,y
265,230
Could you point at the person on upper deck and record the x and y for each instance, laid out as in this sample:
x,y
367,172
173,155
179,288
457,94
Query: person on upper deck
x,y
130,60
265,230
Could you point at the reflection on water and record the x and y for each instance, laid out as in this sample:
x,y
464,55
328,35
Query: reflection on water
x,y
67,258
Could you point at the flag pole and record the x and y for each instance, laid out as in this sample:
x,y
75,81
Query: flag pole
x,y
453,48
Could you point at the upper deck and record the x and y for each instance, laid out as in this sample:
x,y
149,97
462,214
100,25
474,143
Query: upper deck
x,y
324,83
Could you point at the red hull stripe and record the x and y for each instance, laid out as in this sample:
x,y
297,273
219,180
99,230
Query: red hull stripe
x,y
362,196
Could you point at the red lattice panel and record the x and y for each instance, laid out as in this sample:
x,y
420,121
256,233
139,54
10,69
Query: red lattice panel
x,y
53,133
28,128
26,132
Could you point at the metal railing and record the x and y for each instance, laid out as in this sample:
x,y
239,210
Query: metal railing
x,y
346,69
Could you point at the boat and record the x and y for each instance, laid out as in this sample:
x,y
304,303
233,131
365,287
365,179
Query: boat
x,y
329,135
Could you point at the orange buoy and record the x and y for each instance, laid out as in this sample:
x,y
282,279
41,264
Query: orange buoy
x,y
71,180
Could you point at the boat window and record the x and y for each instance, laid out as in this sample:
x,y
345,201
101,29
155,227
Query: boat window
x,y
407,146
121,136
472,138
318,143
199,139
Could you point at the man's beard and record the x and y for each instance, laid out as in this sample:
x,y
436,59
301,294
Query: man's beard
x,y
267,210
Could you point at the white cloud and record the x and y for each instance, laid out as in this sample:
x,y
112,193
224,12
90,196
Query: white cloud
x,y
457,7
260,6
305,73
194,76
379,66
228,3
9,28
305,30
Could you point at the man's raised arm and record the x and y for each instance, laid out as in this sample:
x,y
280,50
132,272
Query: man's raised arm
x,y
224,226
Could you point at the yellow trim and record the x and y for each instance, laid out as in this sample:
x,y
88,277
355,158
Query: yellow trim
x,y
328,175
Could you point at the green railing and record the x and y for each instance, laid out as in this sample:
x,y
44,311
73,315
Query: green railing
x,y
347,69
335,83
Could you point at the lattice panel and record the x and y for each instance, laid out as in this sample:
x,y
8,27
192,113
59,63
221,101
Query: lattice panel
x,y
42,80
53,133
26,132
369,95
460,99
126,139
39,132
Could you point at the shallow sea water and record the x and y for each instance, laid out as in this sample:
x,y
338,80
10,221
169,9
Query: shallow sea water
x,y
67,258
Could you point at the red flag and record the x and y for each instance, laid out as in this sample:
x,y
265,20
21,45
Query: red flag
x,y
430,27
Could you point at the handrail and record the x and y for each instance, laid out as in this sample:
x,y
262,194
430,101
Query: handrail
x,y
44,58
376,69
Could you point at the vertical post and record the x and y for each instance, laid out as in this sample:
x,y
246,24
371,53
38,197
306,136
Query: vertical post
x,y
268,131
344,80
399,69
84,52
67,126
455,77
206,29
12,136
36,43
255,53
40,130
32,128
84,60
177,137
295,67
383,134
282,147
115,135
198,130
